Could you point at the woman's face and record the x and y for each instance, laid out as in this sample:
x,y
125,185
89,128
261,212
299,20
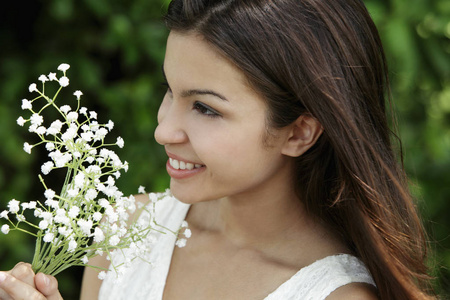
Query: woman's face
x,y
213,126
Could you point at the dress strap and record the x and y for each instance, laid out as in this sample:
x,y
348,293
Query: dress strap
x,y
321,278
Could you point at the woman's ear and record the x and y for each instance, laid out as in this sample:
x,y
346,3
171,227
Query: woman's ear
x,y
303,134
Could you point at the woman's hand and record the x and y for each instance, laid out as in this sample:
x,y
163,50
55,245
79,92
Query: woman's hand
x,y
22,283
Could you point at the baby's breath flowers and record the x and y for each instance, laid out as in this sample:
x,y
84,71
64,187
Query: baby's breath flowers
x,y
90,215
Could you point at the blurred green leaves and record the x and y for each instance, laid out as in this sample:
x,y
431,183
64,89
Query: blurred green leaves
x,y
116,49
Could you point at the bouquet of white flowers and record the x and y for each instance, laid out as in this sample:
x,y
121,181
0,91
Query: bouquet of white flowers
x,y
90,214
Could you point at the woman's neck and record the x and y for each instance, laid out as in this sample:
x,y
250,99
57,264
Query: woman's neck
x,y
255,218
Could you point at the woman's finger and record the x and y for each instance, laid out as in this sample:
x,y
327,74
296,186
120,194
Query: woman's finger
x,y
17,289
23,272
4,295
48,286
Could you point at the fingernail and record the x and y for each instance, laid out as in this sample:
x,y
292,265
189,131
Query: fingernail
x,y
2,277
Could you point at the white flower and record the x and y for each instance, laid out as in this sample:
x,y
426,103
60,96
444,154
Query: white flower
x,y
32,204
110,125
120,142
94,124
99,236
70,133
114,240
91,194
93,170
41,130
184,224
43,78
26,104
117,174
63,67
83,111
38,212
52,76
52,131
187,233
153,197
61,217
97,216
112,215
74,211
85,226
72,192
72,246
32,88
55,127
93,115
72,116
48,237
111,181
46,215
102,275
103,203
181,243
64,81
36,119
85,260
87,136
27,148
21,121
141,190
47,167
52,203
64,231
50,146
32,128
78,94
49,194
43,225
65,109
13,206
100,134
4,214
5,229
79,180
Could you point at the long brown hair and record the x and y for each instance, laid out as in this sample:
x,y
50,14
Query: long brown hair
x,y
325,58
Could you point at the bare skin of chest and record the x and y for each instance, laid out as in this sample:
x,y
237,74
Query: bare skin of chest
x,y
208,268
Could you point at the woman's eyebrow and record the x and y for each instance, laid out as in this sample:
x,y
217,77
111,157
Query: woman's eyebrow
x,y
194,92
201,92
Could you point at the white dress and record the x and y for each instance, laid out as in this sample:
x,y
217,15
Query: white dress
x,y
143,280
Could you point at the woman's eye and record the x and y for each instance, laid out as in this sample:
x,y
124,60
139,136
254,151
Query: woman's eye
x,y
205,110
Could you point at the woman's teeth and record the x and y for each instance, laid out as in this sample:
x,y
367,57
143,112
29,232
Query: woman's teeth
x,y
181,165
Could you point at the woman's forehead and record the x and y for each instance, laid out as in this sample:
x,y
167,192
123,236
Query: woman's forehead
x,y
191,60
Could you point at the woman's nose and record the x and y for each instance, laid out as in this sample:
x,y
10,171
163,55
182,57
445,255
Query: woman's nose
x,y
170,125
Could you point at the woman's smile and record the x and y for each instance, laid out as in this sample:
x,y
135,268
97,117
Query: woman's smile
x,y
179,168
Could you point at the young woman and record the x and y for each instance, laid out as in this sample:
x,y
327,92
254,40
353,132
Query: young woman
x,y
280,155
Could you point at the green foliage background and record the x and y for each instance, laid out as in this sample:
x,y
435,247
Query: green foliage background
x,y
116,49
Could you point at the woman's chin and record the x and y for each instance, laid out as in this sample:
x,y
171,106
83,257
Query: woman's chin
x,y
188,197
